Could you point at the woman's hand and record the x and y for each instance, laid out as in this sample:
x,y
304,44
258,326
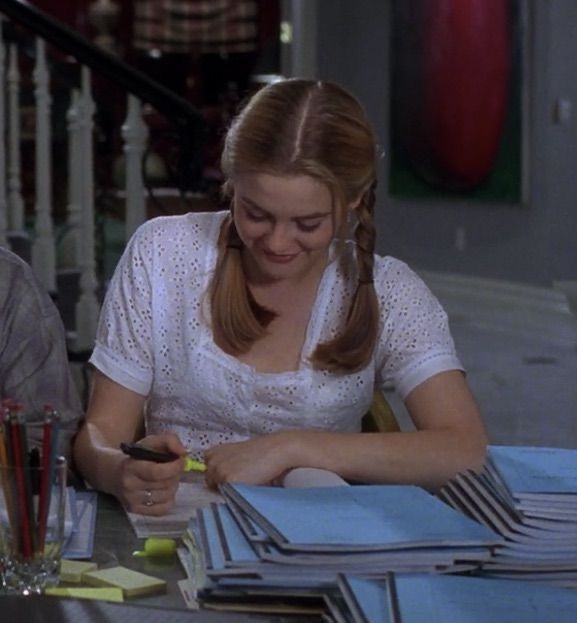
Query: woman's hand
x,y
149,488
258,461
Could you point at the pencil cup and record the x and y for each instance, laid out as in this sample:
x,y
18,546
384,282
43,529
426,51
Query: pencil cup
x,y
32,514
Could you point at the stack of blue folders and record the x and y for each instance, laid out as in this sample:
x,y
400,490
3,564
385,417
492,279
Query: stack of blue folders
x,y
302,537
441,599
529,496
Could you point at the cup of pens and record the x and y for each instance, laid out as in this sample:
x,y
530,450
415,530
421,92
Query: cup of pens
x,y
32,509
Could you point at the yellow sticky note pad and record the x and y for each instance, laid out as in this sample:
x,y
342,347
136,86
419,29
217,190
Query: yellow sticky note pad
x,y
71,570
132,583
102,594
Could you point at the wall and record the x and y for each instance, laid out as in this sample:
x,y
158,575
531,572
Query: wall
x,y
535,243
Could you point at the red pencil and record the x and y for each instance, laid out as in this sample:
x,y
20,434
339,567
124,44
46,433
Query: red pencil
x,y
22,497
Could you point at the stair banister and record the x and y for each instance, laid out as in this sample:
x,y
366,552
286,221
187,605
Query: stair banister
x,y
3,194
43,245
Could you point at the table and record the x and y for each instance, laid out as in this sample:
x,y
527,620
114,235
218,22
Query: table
x,y
114,544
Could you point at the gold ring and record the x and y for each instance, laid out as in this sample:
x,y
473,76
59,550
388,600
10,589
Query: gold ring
x,y
148,501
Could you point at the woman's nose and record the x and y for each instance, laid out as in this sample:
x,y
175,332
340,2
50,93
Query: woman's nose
x,y
278,239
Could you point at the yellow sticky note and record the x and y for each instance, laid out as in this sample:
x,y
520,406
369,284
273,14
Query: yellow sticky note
x,y
71,570
132,583
102,594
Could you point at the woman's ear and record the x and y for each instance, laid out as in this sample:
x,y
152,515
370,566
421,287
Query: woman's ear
x,y
354,205
365,197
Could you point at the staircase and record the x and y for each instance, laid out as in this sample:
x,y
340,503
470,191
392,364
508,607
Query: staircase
x,y
56,125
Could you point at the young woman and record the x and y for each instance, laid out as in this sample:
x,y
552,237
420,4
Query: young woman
x,y
253,339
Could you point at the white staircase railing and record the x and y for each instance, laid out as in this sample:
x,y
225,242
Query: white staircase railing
x,y
15,201
33,224
3,194
87,306
43,249
72,243
135,135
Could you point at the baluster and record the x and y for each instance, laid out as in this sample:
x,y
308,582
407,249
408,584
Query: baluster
x,y
87,307
135,135
71,244
43,246
3,197
15,202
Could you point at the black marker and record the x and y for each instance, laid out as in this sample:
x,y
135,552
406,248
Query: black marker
x,y
136,451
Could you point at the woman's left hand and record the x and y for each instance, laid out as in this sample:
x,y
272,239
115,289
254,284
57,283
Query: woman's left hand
x,y
258,461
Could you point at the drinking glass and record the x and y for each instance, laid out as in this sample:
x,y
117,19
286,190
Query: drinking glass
x,y
32,514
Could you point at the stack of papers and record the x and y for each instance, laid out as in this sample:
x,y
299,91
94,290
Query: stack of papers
x,y
273,537
192,494
529,496
437,599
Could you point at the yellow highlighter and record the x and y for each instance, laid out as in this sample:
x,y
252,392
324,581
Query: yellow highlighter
x,y
156,547
192,465
137,451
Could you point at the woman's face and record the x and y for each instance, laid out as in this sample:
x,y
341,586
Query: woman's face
x,y
285,223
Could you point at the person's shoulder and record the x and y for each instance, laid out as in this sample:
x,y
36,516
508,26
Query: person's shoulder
x,y
189,224
12,263
19,285
388,268
395,279
15,271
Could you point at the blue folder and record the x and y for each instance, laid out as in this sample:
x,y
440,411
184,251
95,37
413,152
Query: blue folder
x,y
356,518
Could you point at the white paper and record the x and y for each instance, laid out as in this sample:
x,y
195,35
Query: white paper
x,y
312,477
191,495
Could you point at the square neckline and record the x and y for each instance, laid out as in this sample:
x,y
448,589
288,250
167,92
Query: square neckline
x,y
312,334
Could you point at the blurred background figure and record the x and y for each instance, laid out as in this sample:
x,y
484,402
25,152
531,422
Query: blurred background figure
x,y
34,369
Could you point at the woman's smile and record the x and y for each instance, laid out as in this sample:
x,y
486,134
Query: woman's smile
x,y
279,258
286,224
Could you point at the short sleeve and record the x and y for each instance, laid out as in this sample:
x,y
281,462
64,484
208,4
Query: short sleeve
x,y
124,349
415,342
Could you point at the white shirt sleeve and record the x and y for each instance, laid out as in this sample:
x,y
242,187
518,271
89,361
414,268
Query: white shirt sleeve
x,y
415,341
124,349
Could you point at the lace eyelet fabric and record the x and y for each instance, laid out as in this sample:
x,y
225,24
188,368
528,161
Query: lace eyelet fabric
x,y
154,338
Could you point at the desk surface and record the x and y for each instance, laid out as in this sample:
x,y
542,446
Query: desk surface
x,y
114,544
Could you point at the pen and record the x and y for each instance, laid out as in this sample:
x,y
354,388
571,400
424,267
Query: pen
x,y
137,451
46,474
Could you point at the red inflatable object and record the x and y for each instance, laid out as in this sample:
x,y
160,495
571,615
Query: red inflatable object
x,y
463,48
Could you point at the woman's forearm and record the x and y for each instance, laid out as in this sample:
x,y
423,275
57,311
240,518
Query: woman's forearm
x,y
97,460
428,458
114,415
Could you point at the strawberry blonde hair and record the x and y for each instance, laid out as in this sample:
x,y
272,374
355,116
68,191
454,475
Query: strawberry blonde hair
x,y
314,128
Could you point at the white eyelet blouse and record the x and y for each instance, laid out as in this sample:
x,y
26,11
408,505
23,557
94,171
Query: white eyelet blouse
x,y
154,338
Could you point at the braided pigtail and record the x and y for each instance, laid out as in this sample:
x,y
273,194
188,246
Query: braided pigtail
x,y
352,349
237,319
